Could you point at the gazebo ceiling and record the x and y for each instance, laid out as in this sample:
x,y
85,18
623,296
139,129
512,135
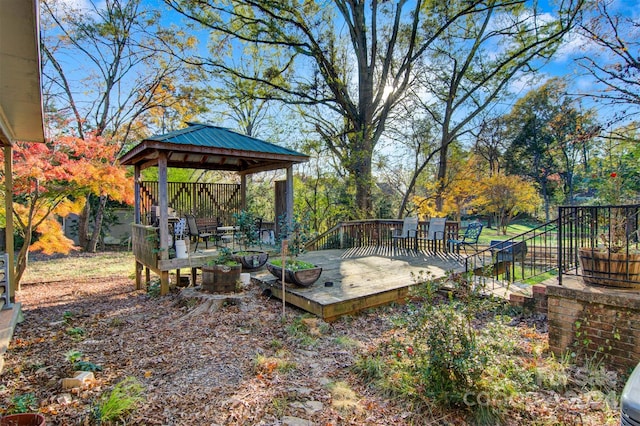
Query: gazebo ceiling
x,y
202,146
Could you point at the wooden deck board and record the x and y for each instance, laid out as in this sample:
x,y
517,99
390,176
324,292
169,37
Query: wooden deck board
x,y
361,279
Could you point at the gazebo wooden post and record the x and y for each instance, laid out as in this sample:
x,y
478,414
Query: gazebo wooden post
x,y
137,220
289,195
136,195
8,208
163,219
243,191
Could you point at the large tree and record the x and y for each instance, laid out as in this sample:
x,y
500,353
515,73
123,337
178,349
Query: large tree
x,y
612,37
472,63
551,136
351,59
104,70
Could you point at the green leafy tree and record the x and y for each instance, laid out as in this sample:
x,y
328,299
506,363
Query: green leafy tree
x,y
551,138
352,62
530,153
616,170
471,64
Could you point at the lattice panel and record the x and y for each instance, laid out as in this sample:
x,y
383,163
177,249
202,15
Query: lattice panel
x,y
214,200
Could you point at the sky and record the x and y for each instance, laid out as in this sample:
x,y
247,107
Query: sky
x,y
563,64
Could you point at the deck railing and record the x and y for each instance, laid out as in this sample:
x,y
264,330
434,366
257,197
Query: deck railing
x,y
378,232
536,253
554,246
606,229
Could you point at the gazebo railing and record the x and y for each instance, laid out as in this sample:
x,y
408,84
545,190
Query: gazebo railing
x,y
144,243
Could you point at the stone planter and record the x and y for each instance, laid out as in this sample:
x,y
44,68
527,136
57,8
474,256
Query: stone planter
x,y
251,260
220,278
610,269
302,277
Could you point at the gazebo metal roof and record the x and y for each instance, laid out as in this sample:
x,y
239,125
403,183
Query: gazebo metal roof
x,y
203,146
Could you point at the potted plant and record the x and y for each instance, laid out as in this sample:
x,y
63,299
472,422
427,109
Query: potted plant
x,y
614,262
296,271
248,233
221,274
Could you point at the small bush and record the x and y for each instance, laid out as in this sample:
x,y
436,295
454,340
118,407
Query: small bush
x,y
449,361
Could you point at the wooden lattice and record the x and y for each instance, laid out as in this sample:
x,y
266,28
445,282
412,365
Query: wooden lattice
x,y
204,200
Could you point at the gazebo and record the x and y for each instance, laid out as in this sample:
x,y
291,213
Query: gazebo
x,y
205,147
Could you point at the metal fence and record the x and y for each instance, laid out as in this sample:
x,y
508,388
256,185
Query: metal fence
x,y
600,242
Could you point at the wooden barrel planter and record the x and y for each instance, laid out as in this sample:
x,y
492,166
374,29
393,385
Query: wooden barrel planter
x,y
610,269
251,260
220,278
302,277
23,419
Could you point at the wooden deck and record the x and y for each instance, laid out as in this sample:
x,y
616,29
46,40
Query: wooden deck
x,y
362,278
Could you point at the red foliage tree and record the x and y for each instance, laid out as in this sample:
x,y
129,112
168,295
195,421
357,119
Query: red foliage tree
x,y
52,180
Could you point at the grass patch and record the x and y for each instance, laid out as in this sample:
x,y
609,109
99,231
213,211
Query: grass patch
x,y
347,342
541,278
489,234
267,365
344,399
123,399
80,267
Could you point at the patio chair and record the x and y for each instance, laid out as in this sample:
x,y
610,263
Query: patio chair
x,y
180,229
198,233
409,233
435,232
469,238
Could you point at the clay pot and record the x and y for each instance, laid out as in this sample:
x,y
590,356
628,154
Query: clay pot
x,y
24,419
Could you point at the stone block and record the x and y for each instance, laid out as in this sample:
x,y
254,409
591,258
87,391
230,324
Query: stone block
x,y
80,379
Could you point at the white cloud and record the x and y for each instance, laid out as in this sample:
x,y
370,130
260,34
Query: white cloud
x,y
70,7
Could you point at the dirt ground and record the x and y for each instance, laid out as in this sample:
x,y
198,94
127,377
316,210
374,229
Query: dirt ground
x,y
242,364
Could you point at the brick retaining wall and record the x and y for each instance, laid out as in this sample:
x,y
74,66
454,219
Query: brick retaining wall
x,y
592,320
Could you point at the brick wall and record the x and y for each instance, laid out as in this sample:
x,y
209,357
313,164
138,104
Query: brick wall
x,y
537,303
592,320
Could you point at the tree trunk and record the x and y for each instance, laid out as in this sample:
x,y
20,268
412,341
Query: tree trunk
x,y
97,227
442,174
83,225
22,260
360,168
363,193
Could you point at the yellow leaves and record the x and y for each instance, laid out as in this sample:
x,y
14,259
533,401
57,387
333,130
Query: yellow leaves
x,y
507,193
506,196
52,239
68,206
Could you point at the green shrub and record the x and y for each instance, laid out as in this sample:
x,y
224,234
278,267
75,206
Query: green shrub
x,y
449,362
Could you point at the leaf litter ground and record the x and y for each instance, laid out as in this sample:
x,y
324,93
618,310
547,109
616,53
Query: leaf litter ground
x,y
241,364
